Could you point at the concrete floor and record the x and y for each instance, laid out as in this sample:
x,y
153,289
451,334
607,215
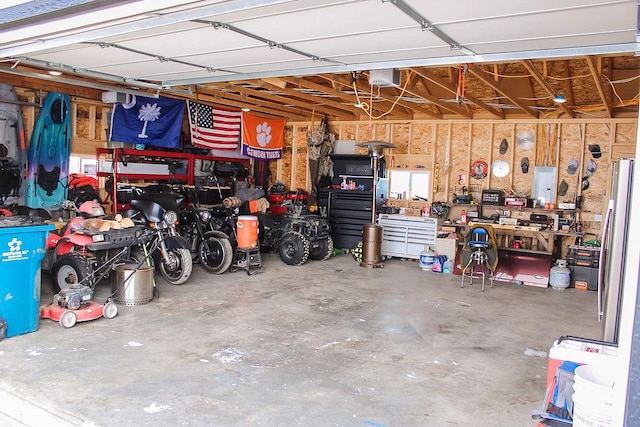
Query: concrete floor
x,y
328,343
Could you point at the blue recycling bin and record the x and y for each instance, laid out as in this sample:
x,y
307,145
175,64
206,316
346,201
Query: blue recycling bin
x,y
22,247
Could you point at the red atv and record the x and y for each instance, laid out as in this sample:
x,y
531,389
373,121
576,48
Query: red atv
x,y
76,254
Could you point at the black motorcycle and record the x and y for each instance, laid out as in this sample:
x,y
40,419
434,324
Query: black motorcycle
x,y
209,244
158,208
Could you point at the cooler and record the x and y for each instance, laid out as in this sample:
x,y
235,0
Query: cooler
x,y
581,351
22,247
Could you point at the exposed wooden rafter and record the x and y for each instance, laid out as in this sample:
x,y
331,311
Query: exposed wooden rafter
x,y
330,90
430,92
305,101
591,62
388,100
413,90
426,74
240,101
566,72
545,85
425,85
476,71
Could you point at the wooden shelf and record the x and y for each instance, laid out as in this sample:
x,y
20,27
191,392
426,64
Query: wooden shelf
x,y
413,162
522,208
523,250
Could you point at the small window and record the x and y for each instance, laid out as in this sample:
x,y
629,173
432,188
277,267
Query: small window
x,y
82,165
410,184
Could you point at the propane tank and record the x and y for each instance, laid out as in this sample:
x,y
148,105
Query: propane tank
x,y
560,275
426,258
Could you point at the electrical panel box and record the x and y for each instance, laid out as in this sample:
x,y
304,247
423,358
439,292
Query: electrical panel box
x,y
544,184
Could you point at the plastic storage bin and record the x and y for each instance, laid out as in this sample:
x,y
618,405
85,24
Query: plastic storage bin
x,y
22,247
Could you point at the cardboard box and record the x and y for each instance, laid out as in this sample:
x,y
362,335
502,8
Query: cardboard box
x,y
447,246
412,212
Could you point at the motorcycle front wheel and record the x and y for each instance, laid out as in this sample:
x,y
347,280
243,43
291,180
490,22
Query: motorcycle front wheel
x,y
216,254
177,269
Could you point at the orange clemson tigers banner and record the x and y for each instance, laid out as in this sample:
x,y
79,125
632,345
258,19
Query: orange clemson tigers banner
x,y
262,138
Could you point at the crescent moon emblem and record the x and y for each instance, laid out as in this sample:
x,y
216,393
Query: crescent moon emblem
x,y
130,104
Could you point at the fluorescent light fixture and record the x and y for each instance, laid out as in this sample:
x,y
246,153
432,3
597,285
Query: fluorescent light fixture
x,y
55,72
559,99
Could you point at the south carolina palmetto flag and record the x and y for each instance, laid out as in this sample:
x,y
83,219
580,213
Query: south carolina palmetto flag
x,y
214,127
149,121
262,138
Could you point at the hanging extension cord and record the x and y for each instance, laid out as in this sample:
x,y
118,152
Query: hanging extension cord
x,y
367,108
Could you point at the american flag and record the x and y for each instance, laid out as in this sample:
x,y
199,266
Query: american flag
x,y
213,127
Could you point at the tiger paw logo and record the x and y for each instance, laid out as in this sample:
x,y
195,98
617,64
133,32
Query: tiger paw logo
x,y
263,134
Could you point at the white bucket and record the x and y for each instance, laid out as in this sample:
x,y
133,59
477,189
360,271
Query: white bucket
x,y
593,395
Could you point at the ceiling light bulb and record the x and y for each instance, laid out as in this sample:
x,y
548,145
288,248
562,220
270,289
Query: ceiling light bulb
x,y
559,99
54,72
357,105
246,109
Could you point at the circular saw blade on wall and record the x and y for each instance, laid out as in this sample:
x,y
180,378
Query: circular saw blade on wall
x,y
525,139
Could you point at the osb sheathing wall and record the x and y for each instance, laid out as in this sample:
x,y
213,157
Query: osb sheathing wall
x,y
449,147
452,147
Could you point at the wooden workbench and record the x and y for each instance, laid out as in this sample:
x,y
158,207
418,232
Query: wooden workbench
x,y
536,241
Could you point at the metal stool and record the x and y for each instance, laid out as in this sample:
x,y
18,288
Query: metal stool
x,y
247,259
479,241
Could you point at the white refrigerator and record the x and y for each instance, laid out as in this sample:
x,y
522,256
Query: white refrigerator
x,y
613,250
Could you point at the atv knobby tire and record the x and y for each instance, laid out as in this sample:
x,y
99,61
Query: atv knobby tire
x,y
322,249
294,248
71,269
356,252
